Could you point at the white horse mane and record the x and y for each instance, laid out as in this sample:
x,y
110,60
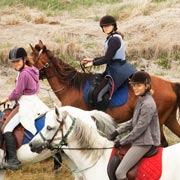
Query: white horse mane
x,y
88,132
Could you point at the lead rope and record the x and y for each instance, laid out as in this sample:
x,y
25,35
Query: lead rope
x,y
85,169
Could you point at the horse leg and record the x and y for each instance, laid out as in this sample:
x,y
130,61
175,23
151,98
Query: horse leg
x,y
57,162
164,142
172,124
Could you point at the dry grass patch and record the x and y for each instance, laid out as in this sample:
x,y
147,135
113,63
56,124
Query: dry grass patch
x,y
40,20
39,171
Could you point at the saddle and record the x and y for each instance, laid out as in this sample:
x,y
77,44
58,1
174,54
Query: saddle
x,y
118,155
99,93
19,131
97,84
132,174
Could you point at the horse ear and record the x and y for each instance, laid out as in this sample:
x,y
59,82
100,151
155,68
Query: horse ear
x,y
41,45
57,111
33,49
60,114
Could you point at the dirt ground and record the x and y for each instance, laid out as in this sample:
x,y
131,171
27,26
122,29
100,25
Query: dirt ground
x,y
21,26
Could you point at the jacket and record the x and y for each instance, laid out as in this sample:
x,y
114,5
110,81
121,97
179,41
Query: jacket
x,y
117,66
144,126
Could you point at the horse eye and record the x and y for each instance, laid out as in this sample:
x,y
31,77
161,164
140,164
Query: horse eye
x,y
49,128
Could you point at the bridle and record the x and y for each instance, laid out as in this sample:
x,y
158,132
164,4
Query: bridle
x,y
42,70
47,65
47,142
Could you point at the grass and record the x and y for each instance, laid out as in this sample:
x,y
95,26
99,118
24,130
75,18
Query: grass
x,y
39,171
55,4
74,47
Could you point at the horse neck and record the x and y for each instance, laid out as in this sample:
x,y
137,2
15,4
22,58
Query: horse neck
x,y
85,136
89,162
67,86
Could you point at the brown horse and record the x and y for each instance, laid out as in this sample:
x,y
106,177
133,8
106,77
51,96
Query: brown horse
x,y
68,84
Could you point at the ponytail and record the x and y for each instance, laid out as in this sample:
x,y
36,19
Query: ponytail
x,y
121,34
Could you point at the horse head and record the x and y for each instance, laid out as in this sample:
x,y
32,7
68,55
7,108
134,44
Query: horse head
x,y
69,124
41,58
47,136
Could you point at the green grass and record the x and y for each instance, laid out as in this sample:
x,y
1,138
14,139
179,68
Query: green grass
x,y
55,4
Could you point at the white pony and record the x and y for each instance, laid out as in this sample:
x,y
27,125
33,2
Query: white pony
x,y
26,156
76,133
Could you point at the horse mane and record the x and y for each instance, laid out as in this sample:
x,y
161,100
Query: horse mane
x,y
87,136
67,74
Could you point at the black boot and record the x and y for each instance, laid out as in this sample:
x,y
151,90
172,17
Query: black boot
x,y
57,162
12,161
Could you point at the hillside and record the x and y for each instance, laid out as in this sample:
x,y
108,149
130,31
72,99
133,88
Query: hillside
x,y
152,39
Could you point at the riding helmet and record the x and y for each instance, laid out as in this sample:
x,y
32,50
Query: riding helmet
x,y
141,77
16,53
108,20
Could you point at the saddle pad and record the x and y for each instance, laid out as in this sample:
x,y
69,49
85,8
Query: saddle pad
x,y
150,168
39,124
118,99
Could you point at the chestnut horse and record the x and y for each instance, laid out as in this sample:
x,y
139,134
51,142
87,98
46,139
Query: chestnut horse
x,y
68,85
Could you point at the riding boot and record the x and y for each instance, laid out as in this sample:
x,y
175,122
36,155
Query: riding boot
x,y
57,162
12,161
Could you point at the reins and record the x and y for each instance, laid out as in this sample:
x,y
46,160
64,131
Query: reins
x,y
64,139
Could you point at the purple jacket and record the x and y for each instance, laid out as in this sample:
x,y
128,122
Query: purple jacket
x,y
26,84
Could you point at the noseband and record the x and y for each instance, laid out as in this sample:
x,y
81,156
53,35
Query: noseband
x,y
42,70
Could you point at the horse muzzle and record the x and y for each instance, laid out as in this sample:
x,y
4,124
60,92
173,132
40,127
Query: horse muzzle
x,y
37,147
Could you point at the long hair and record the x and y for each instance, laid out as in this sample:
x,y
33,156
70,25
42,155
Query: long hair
x,y
120,33
29,61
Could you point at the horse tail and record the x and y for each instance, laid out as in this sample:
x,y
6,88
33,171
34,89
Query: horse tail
x,y
176,88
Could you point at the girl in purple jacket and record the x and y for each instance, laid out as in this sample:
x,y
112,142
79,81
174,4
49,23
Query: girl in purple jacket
x,y
28,107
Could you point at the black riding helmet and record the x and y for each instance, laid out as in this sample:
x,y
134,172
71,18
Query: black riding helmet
x,y
141,77
17,53
108,20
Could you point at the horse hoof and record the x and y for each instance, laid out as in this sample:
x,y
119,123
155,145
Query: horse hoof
x,y
57,169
